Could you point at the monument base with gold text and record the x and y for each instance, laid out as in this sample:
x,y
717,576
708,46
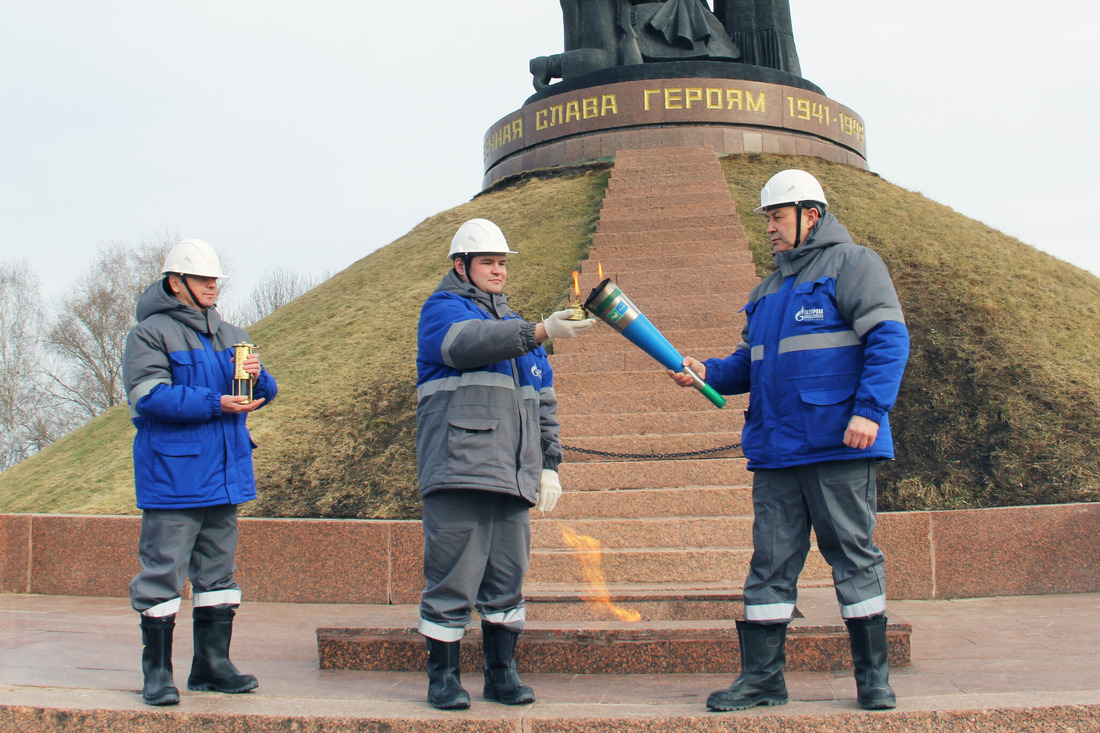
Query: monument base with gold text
x,y
588,124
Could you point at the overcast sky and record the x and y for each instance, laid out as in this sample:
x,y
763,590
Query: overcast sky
x,y
305,135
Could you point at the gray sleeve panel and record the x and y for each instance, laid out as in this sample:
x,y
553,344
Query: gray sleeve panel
x,y
476,343
864,292
145,359
550,428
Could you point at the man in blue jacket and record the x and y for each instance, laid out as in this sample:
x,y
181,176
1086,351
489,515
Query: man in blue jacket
x,y
192,467
487,450
822,355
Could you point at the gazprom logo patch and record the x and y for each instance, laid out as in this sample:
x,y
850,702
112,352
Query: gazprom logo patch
x,y
536,372
810,314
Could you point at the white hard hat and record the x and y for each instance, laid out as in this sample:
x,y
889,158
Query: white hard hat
x,y
479,236
192,257
788,188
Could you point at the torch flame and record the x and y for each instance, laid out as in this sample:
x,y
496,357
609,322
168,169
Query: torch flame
x,y
599,268
589,548
577,283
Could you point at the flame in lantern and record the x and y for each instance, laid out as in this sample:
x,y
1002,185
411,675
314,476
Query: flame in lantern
x,y
577,283
589,548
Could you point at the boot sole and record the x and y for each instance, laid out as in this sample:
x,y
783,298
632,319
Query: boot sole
x,y
524,700
164,700
767,702
879,704
455,705
207,687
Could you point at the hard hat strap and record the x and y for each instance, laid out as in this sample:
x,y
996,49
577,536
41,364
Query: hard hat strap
x,y
194,300
797,223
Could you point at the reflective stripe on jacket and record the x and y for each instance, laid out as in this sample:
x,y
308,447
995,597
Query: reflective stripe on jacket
x,y
824,340
486,414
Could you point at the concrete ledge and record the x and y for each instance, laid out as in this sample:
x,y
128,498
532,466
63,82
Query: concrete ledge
x,y
348,717
949,554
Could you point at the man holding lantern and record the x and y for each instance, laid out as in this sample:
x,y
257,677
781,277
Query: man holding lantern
x,y
822,355
487,450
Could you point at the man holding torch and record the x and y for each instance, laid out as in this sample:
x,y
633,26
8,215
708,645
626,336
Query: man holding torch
x,y
487,450
822,355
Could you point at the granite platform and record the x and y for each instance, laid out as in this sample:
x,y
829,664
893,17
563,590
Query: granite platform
x,y
978,665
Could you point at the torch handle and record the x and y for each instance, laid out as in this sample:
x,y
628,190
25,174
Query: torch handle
x,y
709,392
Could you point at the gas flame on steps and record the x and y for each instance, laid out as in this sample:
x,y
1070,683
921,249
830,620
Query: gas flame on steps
x,y
589,554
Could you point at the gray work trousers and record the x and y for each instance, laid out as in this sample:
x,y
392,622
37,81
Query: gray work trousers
x,y
477,545
175,544
838,501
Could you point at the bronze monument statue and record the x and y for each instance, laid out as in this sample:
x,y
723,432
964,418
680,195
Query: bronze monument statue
x,y
603,34
762,30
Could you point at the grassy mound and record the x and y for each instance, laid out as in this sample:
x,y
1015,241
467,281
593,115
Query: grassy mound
x,y
1000,405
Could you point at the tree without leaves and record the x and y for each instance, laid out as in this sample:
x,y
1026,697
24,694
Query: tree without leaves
x,y
275,289
28,420
93,320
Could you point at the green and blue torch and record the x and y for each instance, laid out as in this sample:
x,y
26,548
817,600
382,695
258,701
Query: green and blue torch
x,y
608,303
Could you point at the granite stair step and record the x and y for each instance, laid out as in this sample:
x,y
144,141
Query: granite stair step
x,y
663,222
693,194
728,237
648,564
652,532
667,474
666,175
706,502
662,601
589,277
602,647
617,263
657,210
654,423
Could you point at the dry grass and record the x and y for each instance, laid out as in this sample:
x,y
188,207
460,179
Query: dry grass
x,y
1000,405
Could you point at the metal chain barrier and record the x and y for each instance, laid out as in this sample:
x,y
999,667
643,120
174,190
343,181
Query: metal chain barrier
x,y
655,456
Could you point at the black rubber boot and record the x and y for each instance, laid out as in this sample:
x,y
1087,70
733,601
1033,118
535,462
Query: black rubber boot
x,y
211,668
156,661
444,678
869,657
763,657
502,682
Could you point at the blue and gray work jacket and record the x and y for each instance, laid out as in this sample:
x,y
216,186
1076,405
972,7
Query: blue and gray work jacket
x,y
486,416
824,339
177,365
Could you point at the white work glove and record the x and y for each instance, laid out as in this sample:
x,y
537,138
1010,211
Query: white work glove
x,y
549,490
558,325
